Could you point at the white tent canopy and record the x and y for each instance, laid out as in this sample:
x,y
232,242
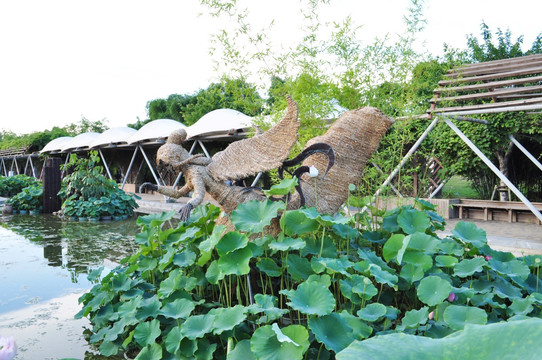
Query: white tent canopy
x,y
155,130
80,142
113,136
56,145
219,122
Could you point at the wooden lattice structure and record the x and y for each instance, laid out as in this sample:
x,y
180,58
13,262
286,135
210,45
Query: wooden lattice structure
x,y
493,86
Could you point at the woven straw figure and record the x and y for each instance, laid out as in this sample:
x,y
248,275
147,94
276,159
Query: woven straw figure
x,y
240,159
354,136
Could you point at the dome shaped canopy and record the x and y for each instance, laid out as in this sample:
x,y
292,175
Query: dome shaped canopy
x,y
113,136
80,142
55,145
154,130
219,122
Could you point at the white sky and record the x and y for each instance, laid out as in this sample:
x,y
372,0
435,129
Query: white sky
x,y
63,59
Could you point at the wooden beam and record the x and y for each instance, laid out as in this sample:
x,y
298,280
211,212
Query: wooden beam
x,y
528,71
487,106
490,94
489,85
516,60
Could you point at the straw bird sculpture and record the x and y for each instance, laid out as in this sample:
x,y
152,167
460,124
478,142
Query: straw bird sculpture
x,y
347,145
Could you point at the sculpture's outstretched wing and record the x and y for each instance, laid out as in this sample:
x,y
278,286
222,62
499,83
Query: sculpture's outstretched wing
x,y
260,153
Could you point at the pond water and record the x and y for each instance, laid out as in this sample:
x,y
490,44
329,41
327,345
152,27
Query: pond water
x,y
44,263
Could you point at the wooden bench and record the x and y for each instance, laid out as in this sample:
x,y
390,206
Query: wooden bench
x,y
513,208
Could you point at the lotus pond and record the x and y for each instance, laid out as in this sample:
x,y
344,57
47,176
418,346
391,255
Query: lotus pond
x,y
45,262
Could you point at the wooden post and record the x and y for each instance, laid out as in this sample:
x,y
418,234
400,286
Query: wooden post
x,y
51,185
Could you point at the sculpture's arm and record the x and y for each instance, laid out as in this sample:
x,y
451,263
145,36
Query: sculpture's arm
x,y
197,198
166,190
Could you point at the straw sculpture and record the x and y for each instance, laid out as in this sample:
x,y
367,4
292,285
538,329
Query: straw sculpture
x,y
352,138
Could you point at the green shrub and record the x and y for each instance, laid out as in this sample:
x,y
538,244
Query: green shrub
x,y
11,185
30,198
199,291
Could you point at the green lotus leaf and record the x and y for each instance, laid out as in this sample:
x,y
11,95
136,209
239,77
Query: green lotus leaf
x,y
413,318
184,258
146,333
214,274
423,242
178,309
242,351
253,216
521,306
312,298
412,273
149,307
389,223
419,259
228,318
392,246
512,268
267,346
517,339
375,237
236,262
210,242
346,232
121,282
458,316
336,265
285,187
383,277
451,247
171,284
94,274
298,267
154,220
372,258
360,329
505,290
432,290
468,267
197,326
109,348
470,233
269,267
266,304
230,242
173,340
372,312
332,331
129,307
347,286
314,247
204,350
287,244
445,261
365,288
296,222
412,221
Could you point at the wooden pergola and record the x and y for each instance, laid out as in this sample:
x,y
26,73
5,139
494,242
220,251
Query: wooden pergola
x,y
500,86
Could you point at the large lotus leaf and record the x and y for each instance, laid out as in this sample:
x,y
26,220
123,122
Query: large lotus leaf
x,y
521,306
298,267
468,267
432,290
413,318
412,221
505,290
336,265
149,307
324,219
150,352
389,223
283,188
361,330
207,245
146,333
423,242
445,261
228,318
171,284
205,350
332,331
178,309
236,262
184,258
122,282
314,247
269,267
173,340
375,237
266,304
287,244
373,258
296,222
197,326
254,215
451,247
242,351
470,233
312,298
154,220
502,340
419,259
266,345
458,316
382,276
392,246
511,268
230,242
346,232
372,312
214,273
365,288
412,273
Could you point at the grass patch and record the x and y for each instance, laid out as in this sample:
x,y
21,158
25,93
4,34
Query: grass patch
x,y
459,187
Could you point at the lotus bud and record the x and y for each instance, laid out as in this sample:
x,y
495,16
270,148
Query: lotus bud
x,y
8,348
313,171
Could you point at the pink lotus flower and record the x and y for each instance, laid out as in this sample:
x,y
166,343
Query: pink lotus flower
x,y
452,297
488,257
8,348
431,315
